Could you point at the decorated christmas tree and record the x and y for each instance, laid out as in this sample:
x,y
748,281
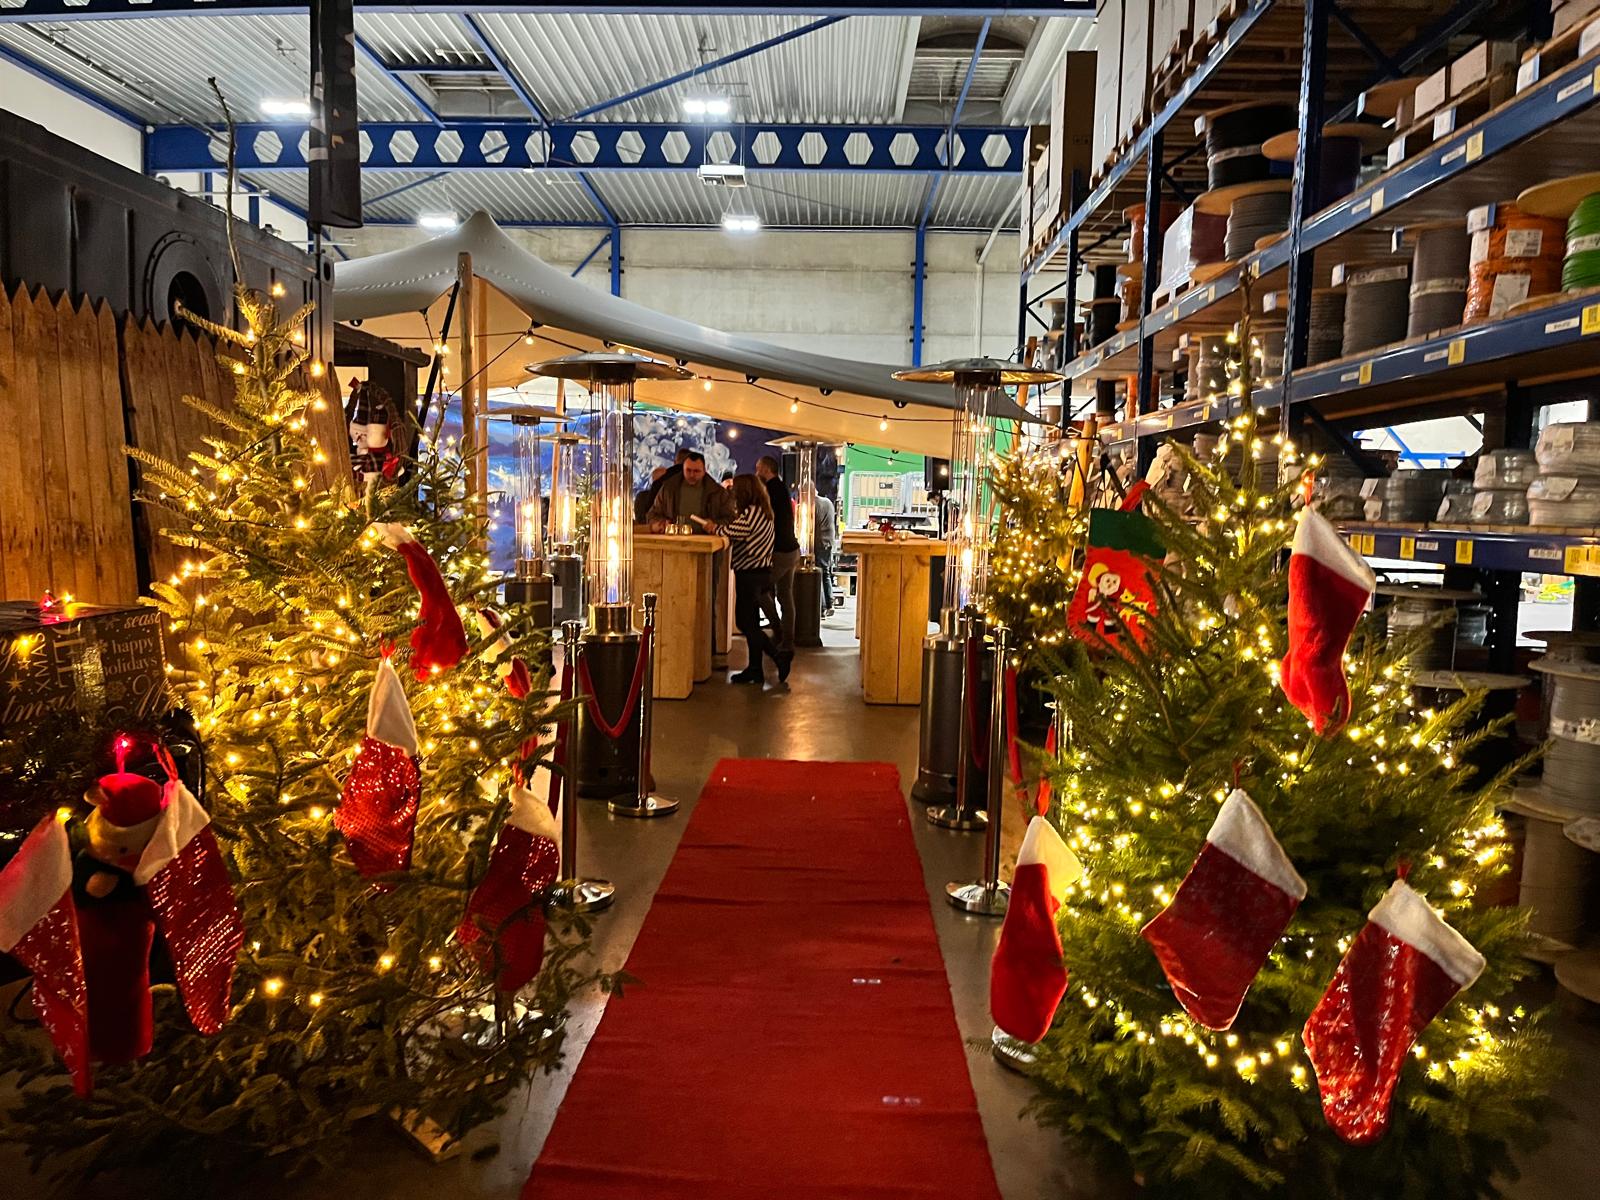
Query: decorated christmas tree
x,y
1240,787
1030,577
376,859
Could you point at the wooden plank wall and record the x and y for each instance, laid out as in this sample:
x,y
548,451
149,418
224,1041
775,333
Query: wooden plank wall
x,y
65,520
67,374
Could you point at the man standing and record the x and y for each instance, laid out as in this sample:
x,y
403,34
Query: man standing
x,y
691,494
785,546
826,538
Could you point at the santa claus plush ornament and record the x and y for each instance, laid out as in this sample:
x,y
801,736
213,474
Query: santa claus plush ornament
x,y
1329,588
151,862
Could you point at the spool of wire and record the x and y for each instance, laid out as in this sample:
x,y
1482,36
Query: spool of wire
x,y
1582,266
1513,255
1103,318
1377,306
1564,500
1132,297
1505,469
1266,348
1499,506
1438,277
1414,495
1413,609
1456,507
1569,448
1209,374
1327,325
1253,217
1134,215
1572,762
1234,137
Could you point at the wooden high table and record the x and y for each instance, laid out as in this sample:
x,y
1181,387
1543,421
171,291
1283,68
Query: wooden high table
x,y
678,569
892,582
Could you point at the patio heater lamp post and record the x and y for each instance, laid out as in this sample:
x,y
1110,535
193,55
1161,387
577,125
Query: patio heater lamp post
x,y
948,781
807,576
532,584
565,563
607,767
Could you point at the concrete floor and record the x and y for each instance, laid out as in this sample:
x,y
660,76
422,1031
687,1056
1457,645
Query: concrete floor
x,y
820,715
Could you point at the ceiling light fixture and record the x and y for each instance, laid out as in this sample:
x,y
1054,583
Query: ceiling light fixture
x,y
707,106
440,222
286,108
741,223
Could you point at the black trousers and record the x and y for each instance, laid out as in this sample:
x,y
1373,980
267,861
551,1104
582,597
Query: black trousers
x,y
752,590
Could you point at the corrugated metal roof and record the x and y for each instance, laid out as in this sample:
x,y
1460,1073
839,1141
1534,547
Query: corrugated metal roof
x,y
855,71
157,67
843,73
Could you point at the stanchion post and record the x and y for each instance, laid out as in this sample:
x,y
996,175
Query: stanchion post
x,y
645,803
575,893
964,815
988,897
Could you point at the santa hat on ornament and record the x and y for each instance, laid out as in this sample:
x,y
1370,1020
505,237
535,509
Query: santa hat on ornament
x,y
1028,977
1329,588
438,642
378,808
1228,914
511,669
504,922
39,927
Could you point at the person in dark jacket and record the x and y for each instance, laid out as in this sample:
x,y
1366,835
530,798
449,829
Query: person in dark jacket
x,y
691,494
785,546
749,536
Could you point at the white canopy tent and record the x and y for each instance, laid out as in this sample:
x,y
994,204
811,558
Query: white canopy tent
x,y
402,295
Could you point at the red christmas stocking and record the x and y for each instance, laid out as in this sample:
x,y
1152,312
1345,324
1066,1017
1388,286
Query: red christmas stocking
x,y
511,669
192,897
1028,977
1230,910
39,926
504,922
439,642
1404,966
378,810
1329,587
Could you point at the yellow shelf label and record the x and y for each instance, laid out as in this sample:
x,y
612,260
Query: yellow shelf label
x,y
1408,547
1377,201
1458,352
1364,375
1369,543
1575,560
1591,319
1475,146
1464,553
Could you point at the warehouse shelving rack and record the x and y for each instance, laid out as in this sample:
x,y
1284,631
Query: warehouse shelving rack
x,y
1500,367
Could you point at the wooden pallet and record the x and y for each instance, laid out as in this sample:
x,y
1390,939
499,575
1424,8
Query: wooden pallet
x,y
1452,117
1541,62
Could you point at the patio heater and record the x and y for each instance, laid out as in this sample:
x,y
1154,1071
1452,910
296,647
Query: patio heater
x,y
954,679
807,576
612,668
564,562
531,585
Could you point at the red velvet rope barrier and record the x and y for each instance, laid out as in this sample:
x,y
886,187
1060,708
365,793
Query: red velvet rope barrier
x,y
615,729
1042,798
1013,747
978,745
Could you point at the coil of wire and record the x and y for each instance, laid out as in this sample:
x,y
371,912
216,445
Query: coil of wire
x,y
1499,506
1569,448
1581,268
1456,506
1564,500
1414,495
1327,325
1505,469
1234,137
1377,306
1251,218
1572,763
1436,650
1438,278
1514,255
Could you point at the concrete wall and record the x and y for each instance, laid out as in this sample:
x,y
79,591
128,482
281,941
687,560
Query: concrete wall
x,y
848,294
64,115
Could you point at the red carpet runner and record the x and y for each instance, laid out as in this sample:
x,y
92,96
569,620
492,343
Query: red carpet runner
x,y
794,1035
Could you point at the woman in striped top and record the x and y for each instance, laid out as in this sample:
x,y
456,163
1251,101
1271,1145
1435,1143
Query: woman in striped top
x,y
751,535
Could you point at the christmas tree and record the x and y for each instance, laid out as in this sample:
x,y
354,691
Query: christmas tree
x,y
1140,1061
363,988
1030,577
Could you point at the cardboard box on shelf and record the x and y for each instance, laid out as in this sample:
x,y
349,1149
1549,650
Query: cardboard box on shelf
x,y
1108,81
1072,125
1134,100
1480,62
1431,93
1570,14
